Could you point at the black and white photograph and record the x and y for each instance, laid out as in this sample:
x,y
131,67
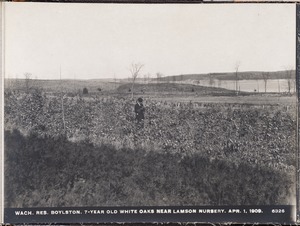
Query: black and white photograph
x,y
149,105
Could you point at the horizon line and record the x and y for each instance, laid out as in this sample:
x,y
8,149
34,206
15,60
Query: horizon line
x,y
141,77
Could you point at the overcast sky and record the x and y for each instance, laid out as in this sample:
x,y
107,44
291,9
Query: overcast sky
x,y
102,40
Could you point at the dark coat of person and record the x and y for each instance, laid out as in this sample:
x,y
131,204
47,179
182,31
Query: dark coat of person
x,y
139,111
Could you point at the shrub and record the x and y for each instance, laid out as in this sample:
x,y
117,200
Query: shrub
x,y
85,91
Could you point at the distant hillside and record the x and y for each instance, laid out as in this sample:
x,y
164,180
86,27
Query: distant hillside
x,y
174,88
93,85
249,75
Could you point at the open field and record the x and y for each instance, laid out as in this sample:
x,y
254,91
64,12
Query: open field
x,y
251,100
196,148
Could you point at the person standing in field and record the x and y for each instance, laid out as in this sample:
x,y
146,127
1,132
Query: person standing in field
x,y
139,112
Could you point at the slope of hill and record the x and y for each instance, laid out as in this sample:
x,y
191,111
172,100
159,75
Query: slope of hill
x,y
174,88
93,85
231,76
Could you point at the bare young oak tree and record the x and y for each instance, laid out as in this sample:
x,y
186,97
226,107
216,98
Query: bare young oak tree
x,y
62,95
290,76
219,83
27,81
290,80
265,76
174,78
211,80
115,81
158,76
237,66
134,69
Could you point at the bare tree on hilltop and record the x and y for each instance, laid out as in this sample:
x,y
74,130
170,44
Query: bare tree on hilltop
x,y
237,66
290,76
158,77
265,76
211,80
134,69
27,81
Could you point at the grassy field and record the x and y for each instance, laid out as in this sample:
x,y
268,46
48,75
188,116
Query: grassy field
x,y
205,146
